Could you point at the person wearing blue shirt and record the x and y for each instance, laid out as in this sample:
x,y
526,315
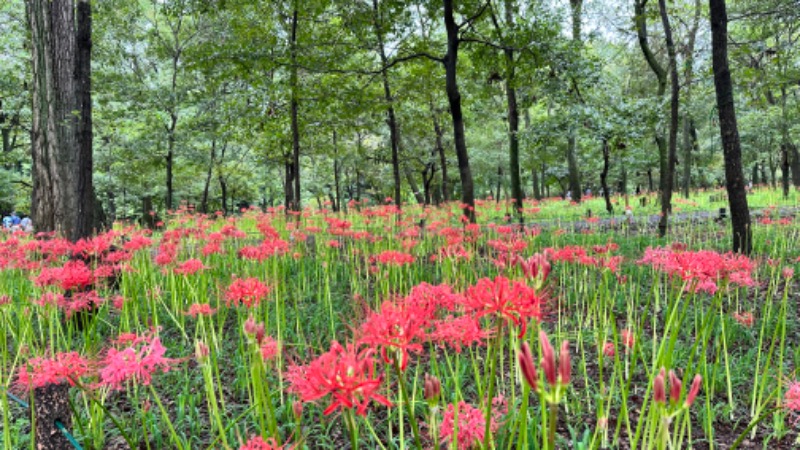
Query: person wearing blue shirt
x,y
15,220
7,222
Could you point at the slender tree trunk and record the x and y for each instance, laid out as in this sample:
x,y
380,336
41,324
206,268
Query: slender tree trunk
x,y
734,177
442,156
688,123
207,185
63,195
640,19
785,169
454,98
391,119
604,177
572,141
668,177
223,184
170,159
412,183
293,167
337,204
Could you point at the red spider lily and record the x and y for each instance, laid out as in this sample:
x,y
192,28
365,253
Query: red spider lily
x,y
471,425
247,291
38,372
396,327
200,309
628,339
136,363
513,301
190,267
746,318
536,267
346,374
432,389
269,348
258,443
525,358
458,332
432,297
79,301
609,350
791,400
395,258
704,268
73,275
659,388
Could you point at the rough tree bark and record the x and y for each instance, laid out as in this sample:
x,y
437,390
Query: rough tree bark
x,y
669,177
63,194
734,177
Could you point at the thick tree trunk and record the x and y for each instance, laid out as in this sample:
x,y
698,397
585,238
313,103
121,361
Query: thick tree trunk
x,y
454,99
669,176
63,195
604,177
734,177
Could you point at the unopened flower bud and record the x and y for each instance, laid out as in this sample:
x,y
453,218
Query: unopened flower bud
x,y
693,391
527,365
297,409
675,386
659,390
548,359
432,388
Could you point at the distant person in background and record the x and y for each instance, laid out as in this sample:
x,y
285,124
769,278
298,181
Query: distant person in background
x,y
26,224
7,220
15,220
568,196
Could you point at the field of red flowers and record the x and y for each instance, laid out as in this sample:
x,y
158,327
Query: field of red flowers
x,y
380,329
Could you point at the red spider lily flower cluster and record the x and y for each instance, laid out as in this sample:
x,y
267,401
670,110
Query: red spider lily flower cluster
x,y
72,276
510,300
190,267
200,309
704,268
791,399
675,389
137,362
395,258
38,372
396,328
471,425
347,374
575,254
246,291
258,443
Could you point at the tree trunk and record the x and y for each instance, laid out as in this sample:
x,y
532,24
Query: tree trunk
x,y
604,177
207,185
293,200
785,169
734,177
454,99
412,183
223,184
689,141
442,156
391,119
669,176
572,141
337,203
63,195
640,19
